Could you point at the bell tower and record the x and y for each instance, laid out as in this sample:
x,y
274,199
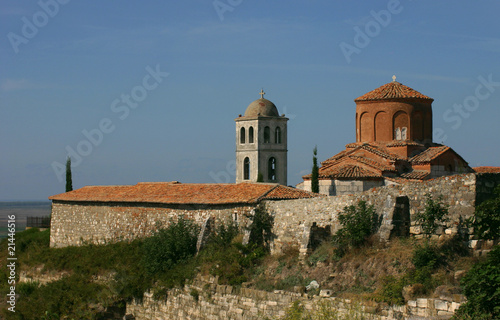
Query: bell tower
x,y
261,143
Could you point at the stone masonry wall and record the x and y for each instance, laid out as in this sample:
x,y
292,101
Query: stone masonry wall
x,y
75,224
204,300
294,218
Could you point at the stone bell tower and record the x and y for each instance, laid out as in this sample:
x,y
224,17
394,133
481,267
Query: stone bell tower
x,y
261,143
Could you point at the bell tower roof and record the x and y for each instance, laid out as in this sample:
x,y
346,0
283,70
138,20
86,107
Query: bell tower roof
x,y
261,108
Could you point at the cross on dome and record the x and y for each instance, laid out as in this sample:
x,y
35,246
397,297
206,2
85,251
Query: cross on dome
x,y
262,93
394,78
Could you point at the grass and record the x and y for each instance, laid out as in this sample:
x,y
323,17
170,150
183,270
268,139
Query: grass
x,y
98,276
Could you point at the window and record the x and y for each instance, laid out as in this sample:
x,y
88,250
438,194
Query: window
x,y
242,135
397,134
403,133
400,133
271,169
277,135
267,135
250,135
246,169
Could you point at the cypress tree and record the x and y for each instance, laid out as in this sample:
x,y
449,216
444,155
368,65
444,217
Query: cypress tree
x,y
315,172
260,177
69,182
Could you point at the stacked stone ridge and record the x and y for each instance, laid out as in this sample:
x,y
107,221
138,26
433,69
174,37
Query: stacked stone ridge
x,y
393,141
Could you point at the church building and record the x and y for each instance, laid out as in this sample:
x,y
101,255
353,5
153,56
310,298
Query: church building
x,y
261,143
393,144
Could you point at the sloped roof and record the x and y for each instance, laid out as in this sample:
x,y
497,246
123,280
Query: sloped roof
x,y
349,171
392,90
429,154
486,169
178,193
376,159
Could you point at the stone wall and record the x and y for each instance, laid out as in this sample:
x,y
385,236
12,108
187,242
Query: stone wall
x,y
77,223
204,299
294,218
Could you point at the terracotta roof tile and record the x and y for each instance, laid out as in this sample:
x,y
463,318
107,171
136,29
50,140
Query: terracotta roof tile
x,y
282,193
416,174
429,154
392,90
349,171
177,193
486,169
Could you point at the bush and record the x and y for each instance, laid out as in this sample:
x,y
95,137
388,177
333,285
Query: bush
x,y
481,286
427,256
261,228
224,234
433,215
170,246
358,224
486,219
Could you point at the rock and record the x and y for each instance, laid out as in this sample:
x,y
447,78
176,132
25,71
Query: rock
x,y
313,285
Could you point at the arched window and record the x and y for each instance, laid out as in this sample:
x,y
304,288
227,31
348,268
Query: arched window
x,y
250,135
246,169
267,135
271,169
277,135
242,135
397,134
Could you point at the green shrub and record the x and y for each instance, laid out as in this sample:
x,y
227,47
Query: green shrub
x,y
261,228
486,219
170,246
392,290
224,234
433,215
481,286
358,224
427,255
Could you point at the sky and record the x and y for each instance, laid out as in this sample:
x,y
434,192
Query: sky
x,y
148,90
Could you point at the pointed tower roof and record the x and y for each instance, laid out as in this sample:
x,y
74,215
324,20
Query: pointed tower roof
x,y
393,90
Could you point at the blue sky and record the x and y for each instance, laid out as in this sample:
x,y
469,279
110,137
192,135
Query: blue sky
x,y
189,68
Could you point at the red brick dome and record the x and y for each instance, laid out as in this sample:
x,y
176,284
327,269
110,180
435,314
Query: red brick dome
x,y
393,112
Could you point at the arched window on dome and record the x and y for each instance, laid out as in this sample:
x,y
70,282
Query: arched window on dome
x,y
271,169
277,135
246,169
250,135
267,135
242,135
397,134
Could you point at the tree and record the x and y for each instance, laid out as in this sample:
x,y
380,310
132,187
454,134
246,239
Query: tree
x,y
486,219
358,224
69,182
315,172
261,228
260,177
433,215
170,246
481,286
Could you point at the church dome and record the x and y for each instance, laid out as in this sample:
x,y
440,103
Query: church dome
x,y
261,107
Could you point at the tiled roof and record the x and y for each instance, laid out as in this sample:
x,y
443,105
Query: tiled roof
x,y
392,90
178,193
429,154
486,169
349,171
282,193
416,174
405,143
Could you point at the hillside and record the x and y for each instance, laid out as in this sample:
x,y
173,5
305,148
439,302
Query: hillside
x,y
92,280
